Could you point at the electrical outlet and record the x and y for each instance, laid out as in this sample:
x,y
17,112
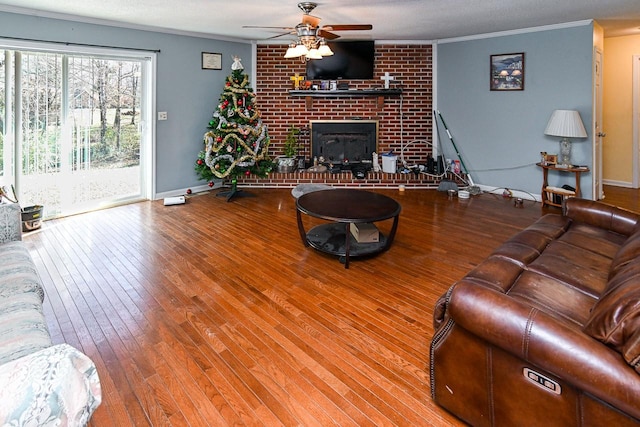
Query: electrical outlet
x,y
162,115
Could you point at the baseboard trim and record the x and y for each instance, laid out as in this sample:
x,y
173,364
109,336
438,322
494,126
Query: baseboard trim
x,y
183,191
515,193
624,184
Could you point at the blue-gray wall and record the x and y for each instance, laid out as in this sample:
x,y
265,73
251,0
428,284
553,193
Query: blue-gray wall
x,y
186,92
500,134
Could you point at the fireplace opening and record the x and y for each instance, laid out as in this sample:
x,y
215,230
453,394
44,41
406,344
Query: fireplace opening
x,y
344,142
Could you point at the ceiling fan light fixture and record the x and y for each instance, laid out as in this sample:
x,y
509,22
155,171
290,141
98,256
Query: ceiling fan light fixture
x,y
311,38
324,49
301,50
314,54
291,51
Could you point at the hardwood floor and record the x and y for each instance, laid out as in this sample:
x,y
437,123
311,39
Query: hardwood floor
x,y
214,313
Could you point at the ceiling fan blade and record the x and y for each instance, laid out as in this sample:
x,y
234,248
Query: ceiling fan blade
x,y
349,27
310,20
280,35
327,35
268,28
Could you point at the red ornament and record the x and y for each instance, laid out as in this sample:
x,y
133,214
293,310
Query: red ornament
x,y
210,183
248,107
228,84
247,173
188,191
239,101
199,162
218,139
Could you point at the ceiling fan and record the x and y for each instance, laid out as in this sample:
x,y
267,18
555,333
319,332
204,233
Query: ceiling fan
x,y
311,37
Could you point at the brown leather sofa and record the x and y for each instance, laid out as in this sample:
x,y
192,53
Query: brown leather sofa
x,y
546,330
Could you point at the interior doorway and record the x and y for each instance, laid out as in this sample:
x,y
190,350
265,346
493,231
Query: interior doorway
x,y
73,132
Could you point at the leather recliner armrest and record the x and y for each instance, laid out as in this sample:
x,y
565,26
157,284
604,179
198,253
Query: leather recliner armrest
x,y
561,349
440,310
601,215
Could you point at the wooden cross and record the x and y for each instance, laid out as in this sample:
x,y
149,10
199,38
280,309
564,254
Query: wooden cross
x,y
387,78
296,80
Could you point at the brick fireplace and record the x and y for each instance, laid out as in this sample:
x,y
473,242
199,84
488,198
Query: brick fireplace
x,y
406,117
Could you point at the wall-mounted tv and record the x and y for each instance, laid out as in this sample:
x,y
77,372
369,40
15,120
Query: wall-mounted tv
x,y
351,60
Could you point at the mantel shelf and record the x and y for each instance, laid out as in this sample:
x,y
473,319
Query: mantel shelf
x,y
380,93
349,92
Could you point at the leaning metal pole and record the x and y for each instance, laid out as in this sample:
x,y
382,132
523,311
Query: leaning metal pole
x,y
464,168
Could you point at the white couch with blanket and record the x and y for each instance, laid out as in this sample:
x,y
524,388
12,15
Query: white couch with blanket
x,y
41,384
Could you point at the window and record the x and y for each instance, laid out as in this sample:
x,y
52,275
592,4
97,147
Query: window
x,y
73,128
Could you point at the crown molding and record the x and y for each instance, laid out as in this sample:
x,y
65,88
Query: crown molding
x,y
516,32
118,24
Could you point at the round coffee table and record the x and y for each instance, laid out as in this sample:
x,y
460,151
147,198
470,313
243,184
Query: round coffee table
x,y
344,207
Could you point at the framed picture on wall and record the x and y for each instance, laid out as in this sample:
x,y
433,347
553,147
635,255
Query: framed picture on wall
x,y
211,61
507,71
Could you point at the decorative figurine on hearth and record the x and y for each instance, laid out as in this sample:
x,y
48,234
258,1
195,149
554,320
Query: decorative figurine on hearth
x,y
376,165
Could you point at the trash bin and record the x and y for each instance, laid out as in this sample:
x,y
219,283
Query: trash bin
x,y
389,163
32,217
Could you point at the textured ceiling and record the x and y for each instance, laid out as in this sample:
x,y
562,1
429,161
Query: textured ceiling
x,y
391,19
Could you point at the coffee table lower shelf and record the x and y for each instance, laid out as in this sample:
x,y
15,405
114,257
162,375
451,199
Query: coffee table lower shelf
x,y
330,238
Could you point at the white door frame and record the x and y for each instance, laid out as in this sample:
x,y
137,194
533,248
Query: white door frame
x,y
635,120
596,126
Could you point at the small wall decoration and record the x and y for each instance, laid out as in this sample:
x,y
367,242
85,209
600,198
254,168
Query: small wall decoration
x,y
550,159
507,71
211,61
297,79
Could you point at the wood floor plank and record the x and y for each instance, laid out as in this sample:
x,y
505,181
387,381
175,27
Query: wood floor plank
x,y
215,313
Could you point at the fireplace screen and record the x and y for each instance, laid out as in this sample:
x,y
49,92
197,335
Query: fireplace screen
x,y
344,141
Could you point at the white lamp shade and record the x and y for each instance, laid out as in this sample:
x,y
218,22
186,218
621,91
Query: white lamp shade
x,y
301,50
314,54
566,123
291,52
325,50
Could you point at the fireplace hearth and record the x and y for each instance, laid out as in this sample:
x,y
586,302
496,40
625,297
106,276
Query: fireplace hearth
x,y
344,142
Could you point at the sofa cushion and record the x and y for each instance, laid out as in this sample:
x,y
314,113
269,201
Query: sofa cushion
x,y
23,329
17,272
629,251
603,242
615,320
574,266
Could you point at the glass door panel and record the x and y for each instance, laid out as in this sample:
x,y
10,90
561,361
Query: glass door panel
x,y
39,144
81,134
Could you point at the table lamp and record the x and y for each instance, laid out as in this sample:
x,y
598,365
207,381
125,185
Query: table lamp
x,y
566,124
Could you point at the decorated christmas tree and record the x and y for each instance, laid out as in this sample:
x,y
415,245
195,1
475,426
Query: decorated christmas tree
x,y
237,141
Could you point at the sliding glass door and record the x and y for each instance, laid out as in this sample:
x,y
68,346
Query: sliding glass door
x,y
79,140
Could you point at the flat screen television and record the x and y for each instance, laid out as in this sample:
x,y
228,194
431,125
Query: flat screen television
x,y
351,60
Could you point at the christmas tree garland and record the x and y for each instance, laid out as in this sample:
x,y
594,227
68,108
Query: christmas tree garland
x,y
233,143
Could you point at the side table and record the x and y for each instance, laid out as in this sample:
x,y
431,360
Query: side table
x,y
548,191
